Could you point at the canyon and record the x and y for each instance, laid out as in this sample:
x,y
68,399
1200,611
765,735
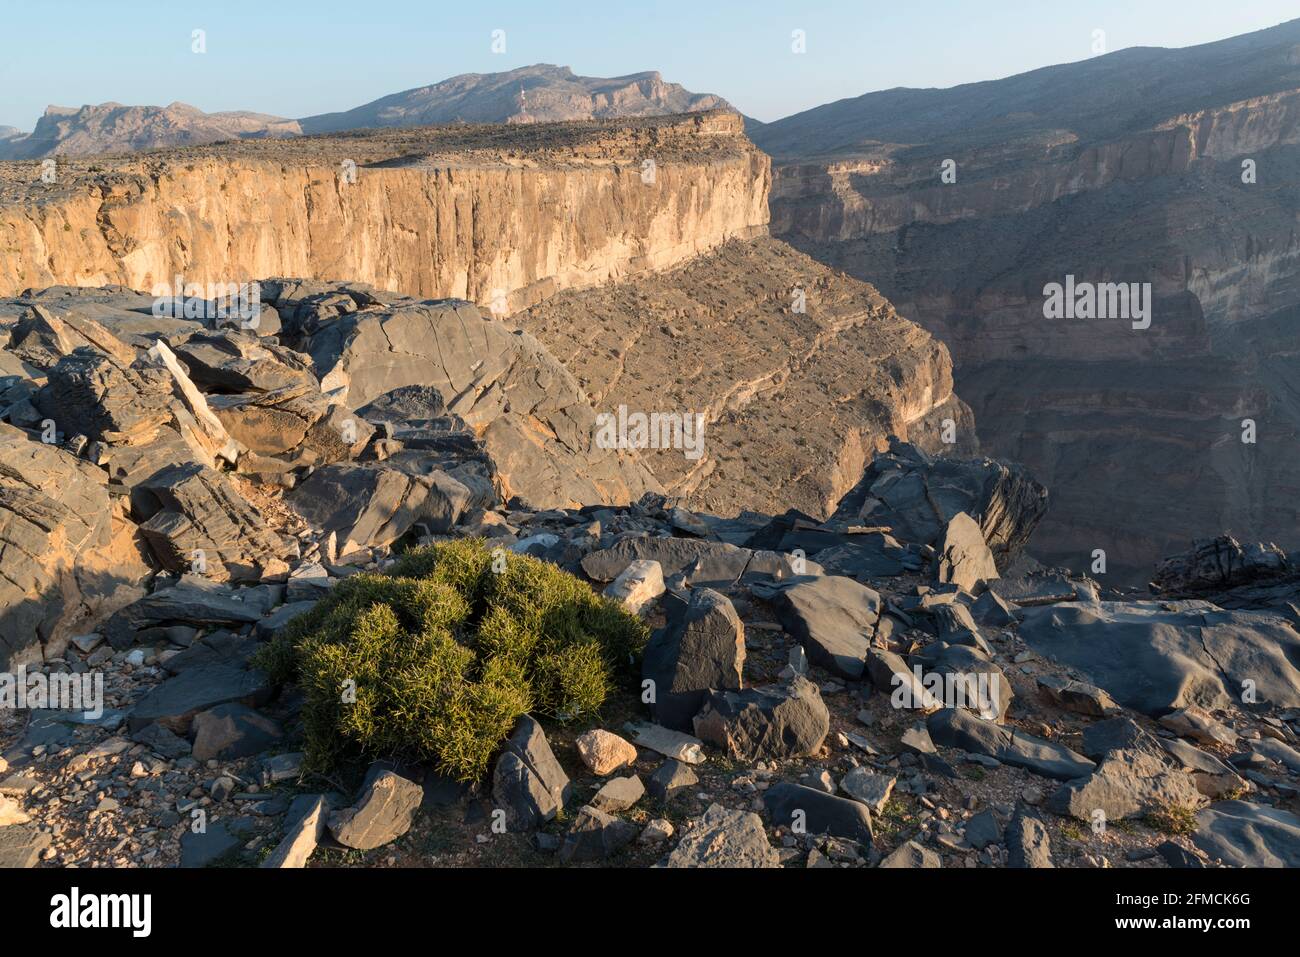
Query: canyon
x,y
1171,167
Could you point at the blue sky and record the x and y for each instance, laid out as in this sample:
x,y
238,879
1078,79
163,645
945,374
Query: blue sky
x,y
295,59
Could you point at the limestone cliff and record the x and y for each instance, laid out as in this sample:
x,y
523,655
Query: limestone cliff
x,y
502,216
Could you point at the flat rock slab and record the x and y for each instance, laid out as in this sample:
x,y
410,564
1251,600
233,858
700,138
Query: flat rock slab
x,y
1155,657
834,618
231,731
954,728
704,563
665,741
725,838
21,846
618,794
174,703
1248,835
200,850
301,837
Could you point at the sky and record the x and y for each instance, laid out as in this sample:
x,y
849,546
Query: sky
x,y
296,59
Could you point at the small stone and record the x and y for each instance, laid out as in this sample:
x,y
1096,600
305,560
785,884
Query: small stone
x,y
619,794
656,832
604,752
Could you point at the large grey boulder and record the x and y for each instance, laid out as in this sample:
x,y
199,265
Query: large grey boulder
x,y
775,722
528,782
795,806
725,838
834,618
194,519
1155,657
1027,840
701,647
375,504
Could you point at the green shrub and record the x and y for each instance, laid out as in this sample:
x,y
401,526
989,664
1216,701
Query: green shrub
x,y
437,659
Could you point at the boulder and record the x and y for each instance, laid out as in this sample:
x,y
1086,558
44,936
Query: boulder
x,y
194,519
301,837
775,722
870,787
231,731
834,618
961,556
795,806
916,496
604,752
702,646
724,838
375,504
384,811
1242,834
1027,840
595,836
528,783
672,778
637,585
618,794
1126,784
1077,696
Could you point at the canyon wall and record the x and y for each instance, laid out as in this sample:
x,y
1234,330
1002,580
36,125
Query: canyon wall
x,y
477,213
1137,432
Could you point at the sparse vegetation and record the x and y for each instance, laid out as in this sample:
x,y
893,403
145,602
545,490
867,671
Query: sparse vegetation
x,y
1172,819
437,659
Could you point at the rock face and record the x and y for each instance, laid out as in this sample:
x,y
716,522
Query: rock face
x,y
783,332
529,414
1050,167
477,221
66,554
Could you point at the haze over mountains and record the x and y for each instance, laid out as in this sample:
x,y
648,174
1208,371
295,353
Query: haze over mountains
x,y
530,94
